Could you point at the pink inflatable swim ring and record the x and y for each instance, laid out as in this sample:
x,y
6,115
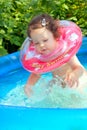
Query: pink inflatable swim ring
x,y
69,43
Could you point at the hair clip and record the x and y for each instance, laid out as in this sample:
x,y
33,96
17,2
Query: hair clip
x,y
43,22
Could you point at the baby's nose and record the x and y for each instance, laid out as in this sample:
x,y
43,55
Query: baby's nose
x,y
41,44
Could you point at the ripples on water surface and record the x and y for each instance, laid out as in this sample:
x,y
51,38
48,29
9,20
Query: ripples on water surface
x,y
44,95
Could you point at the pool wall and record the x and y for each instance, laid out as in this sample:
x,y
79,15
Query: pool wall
x,y
24,118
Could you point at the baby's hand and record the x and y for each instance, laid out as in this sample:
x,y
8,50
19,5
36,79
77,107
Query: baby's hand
x,y
71,79
28,90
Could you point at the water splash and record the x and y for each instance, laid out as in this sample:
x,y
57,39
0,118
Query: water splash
x,y
48,92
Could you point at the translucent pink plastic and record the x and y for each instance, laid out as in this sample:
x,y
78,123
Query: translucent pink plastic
x,y
69,43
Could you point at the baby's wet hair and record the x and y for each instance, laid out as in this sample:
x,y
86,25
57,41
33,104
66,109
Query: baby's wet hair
x,y
44,20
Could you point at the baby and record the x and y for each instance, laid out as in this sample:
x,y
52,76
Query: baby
x,y
48,36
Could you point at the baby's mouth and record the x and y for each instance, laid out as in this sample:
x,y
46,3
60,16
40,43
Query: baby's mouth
x,y
43,51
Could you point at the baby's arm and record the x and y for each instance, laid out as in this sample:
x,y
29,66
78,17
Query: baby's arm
x,y
72,78
33,78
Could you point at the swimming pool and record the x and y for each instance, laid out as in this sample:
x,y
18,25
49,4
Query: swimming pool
x,y
30,118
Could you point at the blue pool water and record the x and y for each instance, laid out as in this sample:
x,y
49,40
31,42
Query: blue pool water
x,y
43,96
19,112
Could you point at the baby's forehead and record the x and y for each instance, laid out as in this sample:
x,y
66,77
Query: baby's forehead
x,y
40,33
45,33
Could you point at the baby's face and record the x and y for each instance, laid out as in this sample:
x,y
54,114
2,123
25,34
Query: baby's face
x,y
44,41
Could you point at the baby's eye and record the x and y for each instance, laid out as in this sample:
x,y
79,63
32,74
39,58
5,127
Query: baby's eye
x,y
36,43
45,40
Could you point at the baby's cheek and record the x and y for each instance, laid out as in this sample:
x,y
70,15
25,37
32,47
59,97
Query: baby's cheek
x,y
37,49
